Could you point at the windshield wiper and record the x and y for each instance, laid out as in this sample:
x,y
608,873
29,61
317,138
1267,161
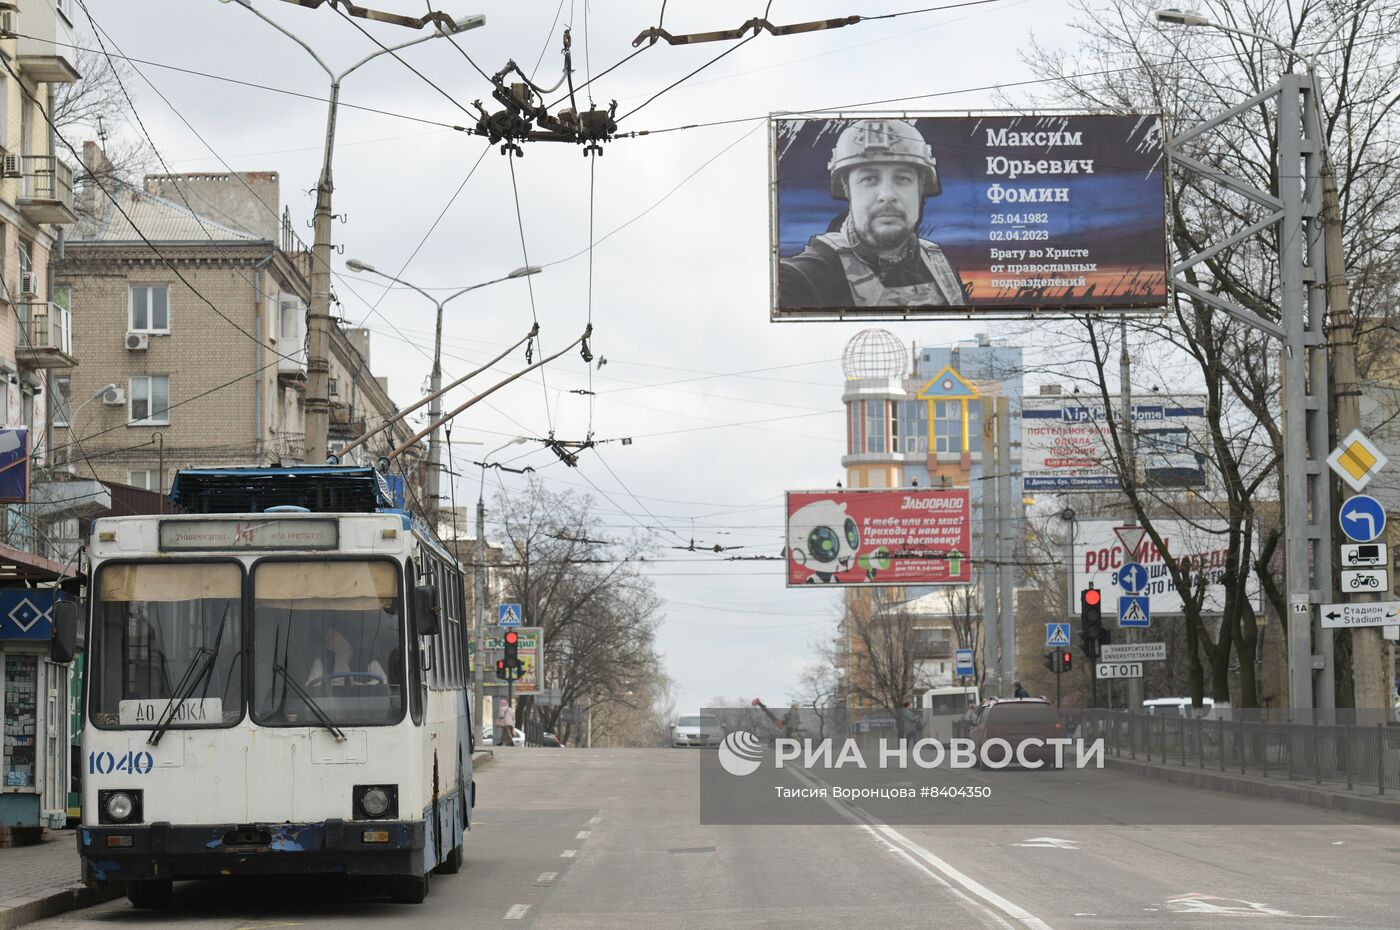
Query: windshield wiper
x,y
195,675
316,708
205,664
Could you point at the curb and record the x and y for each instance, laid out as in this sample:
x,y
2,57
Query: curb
x,y
479,758
1383,808
67,899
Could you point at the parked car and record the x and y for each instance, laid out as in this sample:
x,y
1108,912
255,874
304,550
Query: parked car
x,y
702,730
550,741
1017,719
1180,707
488,736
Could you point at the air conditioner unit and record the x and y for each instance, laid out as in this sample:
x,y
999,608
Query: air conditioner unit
x,y
28,283
113,396
12,166
138,342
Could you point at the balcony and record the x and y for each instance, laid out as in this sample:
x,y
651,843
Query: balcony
x,y
46,190
45,50
46,336
931,644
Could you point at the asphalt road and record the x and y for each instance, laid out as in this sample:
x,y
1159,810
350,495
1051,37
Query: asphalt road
x,y
584,839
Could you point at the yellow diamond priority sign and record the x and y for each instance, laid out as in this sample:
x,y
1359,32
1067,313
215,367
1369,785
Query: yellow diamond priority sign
x,y
1357,460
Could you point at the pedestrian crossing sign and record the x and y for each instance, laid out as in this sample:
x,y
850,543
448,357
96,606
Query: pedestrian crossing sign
x,y
508,615
1057,634
1135,610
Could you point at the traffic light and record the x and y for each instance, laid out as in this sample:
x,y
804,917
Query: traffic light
x,y
1050,662
1066,660
512,640
501,669
1090,621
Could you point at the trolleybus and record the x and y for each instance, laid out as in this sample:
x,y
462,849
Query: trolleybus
x,y
276,683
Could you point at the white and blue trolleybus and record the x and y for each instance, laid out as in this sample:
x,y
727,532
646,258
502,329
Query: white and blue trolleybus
x,y
276,683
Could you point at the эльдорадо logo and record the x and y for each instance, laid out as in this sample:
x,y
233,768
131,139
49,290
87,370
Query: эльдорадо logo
x,y
741,753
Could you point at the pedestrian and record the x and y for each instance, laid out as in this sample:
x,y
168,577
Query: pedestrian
x,y
913,722
872,255
505,724
1020,691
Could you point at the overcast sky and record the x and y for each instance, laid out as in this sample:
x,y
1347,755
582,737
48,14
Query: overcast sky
x,y
727,409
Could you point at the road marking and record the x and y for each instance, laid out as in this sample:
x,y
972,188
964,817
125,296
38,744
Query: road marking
x,y
582,835
1232,907
546,878
516,911
596,820
1048,842
568,854
928,863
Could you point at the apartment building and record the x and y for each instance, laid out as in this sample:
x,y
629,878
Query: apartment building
x,y
191,293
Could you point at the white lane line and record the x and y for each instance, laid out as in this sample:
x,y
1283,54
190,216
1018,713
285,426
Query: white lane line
x,y
568,854
516,912
546,878
596,820
921,857
582,835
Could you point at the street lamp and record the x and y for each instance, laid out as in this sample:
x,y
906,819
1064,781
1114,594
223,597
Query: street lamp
x,y
479,583
435,408
318,312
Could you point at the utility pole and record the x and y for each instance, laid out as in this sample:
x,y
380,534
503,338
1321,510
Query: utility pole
x,y
991,559
1006,543
1370,675
1125,430
318,313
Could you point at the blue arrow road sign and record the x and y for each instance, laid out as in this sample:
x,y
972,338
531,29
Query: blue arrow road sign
x,y
963,662
508,615
1135,610
1362,518
1132,577
1057,634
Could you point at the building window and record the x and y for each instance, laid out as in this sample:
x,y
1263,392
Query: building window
x,y
150,400
150,308
947,426
875,426
60,391
913,426
147,479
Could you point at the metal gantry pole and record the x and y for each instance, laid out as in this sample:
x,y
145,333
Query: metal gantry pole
x,y
991,559
1006,543
1126,427
479,614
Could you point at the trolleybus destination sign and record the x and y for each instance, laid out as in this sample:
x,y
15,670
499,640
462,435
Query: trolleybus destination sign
x,y
249,534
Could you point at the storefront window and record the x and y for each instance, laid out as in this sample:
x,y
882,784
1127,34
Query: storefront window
x,y
21,705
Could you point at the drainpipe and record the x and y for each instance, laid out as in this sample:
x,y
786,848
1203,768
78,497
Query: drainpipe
x,y
258,351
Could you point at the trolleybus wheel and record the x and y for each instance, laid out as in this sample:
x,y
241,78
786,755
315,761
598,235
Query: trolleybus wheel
x,y
408,889
453,863
149,893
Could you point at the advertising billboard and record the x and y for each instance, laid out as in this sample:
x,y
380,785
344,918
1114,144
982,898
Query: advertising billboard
x,y
1099,554
916,536
900,216
1066,443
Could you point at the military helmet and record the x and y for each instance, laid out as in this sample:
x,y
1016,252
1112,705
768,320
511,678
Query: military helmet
x,y
871,141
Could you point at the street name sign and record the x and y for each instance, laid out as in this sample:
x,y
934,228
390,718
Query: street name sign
x,y
1057,634
1119,669
1365,581
963,662
1134,652
1377,613
1362,518
1365,555
1356,460
508,615
1135,610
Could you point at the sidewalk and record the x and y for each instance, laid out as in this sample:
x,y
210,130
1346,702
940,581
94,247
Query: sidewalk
x,y
43,880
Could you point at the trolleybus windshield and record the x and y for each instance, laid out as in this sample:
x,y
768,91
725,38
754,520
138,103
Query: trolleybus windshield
x,y
164,632
327,643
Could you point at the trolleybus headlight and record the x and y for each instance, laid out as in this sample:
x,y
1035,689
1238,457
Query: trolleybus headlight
x,y
119,806
373,802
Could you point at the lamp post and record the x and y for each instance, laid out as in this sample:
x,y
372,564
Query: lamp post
x,y
435,408
479,586
1306,643
318,312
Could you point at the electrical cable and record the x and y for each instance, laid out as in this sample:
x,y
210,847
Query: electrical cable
x,y
530,285
726,53
427,80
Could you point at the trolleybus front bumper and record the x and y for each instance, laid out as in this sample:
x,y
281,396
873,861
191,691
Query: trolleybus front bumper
x,y
113,853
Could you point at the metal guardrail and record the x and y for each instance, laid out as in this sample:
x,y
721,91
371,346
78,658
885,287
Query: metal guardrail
x,y
1358,756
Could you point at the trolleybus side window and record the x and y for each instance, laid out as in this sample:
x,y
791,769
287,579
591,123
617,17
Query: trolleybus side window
x,y
417,684
168,640
327,643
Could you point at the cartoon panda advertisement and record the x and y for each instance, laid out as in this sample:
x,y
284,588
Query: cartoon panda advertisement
x,y
896,537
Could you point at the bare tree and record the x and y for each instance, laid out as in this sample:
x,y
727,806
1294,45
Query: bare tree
x,y
883,649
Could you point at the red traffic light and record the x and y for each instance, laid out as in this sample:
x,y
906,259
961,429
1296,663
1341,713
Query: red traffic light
x,y
1066,657
512,637
501,664
1092,596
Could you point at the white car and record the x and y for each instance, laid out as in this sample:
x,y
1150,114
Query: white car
x,y
488,736
702,730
